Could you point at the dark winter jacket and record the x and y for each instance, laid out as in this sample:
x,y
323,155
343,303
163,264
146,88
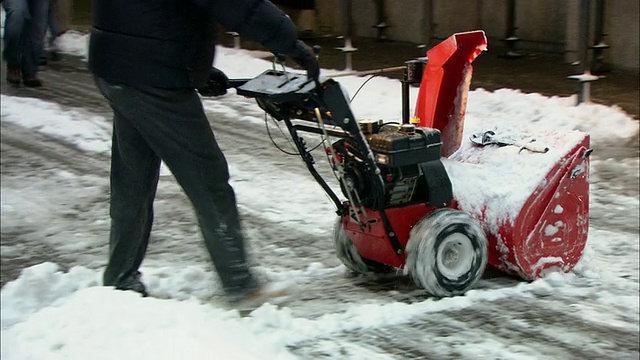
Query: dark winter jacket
x,y
171,43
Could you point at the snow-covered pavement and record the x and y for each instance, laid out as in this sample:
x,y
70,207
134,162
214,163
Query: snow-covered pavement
x,y
55,217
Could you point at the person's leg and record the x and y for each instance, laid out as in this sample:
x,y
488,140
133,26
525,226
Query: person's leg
x,y
52,23
50,52
16,15
173,123
134,177
33,41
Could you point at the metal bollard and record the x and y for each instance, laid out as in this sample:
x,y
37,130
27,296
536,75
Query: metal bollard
x,y
236,39
510,34
348,50
586,78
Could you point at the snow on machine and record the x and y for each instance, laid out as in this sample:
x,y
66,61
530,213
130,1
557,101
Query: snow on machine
x,y
413,195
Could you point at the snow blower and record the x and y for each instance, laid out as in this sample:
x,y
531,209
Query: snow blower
x,y
412,191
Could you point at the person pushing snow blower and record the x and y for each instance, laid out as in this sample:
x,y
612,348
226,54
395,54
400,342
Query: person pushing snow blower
x,y
150,61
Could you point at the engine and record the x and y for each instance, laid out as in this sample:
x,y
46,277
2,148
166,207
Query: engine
x,y
409,161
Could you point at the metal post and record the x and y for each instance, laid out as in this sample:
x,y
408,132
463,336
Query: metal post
x,y
412,75
405,102
427,27
585,78
381,21
583,47
479,7
236,39
510,33
348,48
347,18
597,66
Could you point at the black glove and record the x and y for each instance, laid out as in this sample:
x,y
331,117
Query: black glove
x,y
217,84
304,56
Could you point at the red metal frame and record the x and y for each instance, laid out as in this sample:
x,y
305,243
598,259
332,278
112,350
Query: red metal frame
x,y
525,247
549,232
373,243
442,99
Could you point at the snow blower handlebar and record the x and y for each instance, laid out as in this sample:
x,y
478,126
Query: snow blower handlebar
x,y
287,96
284,94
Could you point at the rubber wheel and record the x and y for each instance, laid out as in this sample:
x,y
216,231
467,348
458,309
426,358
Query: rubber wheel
x,y
347,253
446,252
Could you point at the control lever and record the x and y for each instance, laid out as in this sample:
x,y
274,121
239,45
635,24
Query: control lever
x,y
280,59
316,50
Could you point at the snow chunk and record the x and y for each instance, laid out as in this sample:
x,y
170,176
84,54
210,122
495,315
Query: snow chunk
x,y
40,286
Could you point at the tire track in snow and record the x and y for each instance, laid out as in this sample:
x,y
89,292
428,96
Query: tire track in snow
x,y
55,150
55,222
503,328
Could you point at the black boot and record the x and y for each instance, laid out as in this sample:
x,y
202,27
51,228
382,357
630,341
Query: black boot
x,y
13,75
133,283
31,81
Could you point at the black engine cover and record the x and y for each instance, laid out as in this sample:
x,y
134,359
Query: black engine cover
x,y
407,145
408,160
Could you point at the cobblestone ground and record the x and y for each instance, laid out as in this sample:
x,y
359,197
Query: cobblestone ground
x,y
526,324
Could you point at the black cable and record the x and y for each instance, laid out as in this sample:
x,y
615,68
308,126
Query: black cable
x,y
315,147
360,88
322,141
266,125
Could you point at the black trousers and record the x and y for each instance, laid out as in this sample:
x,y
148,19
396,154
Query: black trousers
x,y
150,125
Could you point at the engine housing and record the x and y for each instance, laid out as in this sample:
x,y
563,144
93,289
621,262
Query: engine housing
x,y
405,155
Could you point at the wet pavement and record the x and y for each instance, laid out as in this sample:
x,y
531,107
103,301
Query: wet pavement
x,y
542,73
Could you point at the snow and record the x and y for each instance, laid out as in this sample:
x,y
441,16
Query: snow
x,y
86,131
553,229
107,324
498,191
53,314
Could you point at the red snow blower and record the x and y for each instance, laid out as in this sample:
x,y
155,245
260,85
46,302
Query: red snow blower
x,y
414,198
